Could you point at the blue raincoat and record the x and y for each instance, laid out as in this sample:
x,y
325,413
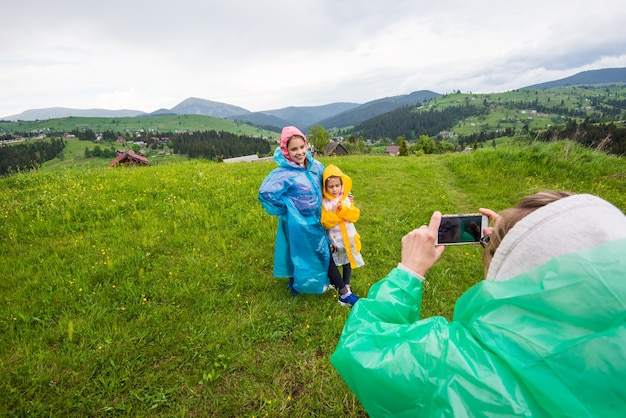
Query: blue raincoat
x,y
293,193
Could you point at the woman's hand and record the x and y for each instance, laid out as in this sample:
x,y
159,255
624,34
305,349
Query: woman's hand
x,y
419,252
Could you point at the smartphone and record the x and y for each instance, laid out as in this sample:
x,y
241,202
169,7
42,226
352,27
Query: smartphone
x,y
462,229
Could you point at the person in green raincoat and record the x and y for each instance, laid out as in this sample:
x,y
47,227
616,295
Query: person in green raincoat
x,y
543,336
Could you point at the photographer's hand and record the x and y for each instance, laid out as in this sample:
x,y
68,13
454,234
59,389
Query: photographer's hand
x,y
419,252
493,216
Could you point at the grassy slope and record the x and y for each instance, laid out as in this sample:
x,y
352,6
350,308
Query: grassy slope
x,y
149,291
74,155
135,124
506,109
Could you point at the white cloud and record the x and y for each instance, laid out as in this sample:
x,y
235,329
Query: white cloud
x,y
145,55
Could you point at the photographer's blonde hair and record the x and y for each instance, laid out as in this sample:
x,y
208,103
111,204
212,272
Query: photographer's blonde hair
x,y
512,216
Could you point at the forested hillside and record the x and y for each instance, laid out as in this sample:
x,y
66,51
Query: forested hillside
x,y
28,155
597,112
411,123
374,108
214,145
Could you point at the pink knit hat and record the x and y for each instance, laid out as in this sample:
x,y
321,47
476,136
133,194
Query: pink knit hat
x,y
288,132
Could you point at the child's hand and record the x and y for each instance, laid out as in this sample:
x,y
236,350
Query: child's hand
x,y
351,197
338,207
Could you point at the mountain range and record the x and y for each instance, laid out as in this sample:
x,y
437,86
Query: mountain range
x,y
334,115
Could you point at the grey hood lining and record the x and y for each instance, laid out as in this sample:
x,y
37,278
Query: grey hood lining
x,y
567,225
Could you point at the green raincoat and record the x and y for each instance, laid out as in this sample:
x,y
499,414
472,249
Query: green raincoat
x,y
548,342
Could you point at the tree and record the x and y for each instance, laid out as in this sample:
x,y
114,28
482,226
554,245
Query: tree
x,y
318,137
426,144
445,146
351,148
404,151
361,144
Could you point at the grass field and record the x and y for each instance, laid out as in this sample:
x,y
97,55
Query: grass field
x,y
148,291
74,154
147,124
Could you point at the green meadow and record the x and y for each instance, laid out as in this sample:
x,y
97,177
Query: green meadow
x,y
146,124
148,291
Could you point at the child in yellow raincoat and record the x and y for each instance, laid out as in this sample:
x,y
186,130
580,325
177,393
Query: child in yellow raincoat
x,y
338,217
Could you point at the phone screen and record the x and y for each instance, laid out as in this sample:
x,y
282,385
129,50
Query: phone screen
x,y
461,229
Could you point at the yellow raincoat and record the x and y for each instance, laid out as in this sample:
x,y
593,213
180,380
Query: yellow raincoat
x,y
344,240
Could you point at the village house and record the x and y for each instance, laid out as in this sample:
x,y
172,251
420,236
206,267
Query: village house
x,y
393,150
334,148
129,158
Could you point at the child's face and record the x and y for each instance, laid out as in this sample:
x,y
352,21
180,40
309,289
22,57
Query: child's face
x,y
297,149
333,186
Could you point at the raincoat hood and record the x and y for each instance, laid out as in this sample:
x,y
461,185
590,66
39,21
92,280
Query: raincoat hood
x,y
546,233
333,170
288,132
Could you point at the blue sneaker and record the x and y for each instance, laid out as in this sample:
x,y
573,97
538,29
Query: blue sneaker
x,y
293,291
348,300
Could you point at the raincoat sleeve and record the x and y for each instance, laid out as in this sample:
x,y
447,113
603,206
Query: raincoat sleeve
x,y
329,218
348,212
272,191
387,359
402,366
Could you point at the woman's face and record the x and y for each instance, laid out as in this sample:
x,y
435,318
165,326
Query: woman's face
x,y
297,149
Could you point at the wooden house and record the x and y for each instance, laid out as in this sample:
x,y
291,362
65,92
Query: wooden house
x,y
129,158
335,148
393,150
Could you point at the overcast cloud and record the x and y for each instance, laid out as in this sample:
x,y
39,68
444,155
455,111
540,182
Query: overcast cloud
x,y
262,55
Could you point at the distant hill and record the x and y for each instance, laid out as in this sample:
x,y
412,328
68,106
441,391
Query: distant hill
x,y
462,118
64,112
161,112
604,76
374,108
195,106
303,117
334,115
262,120
467,118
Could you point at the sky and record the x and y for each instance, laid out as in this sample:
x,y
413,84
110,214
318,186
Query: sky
x,y
271,54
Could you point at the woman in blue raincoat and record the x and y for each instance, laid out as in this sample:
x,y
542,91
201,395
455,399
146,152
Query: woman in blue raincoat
x,y
543,336
292,191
